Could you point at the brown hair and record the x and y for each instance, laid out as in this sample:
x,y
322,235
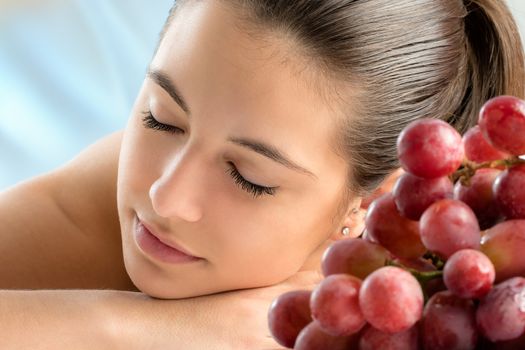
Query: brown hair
x,y
411,58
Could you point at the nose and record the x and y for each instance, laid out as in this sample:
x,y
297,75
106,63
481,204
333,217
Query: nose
x,y
176,193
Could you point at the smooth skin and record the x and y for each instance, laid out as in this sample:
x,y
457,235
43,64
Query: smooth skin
x,y
50,215
233,86
72,228
82,289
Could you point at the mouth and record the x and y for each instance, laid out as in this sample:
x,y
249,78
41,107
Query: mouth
x,y
157,246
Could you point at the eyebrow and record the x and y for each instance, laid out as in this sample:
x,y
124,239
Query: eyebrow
x,y
269,151
164,81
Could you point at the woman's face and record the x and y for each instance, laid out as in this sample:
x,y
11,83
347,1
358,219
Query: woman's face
x,y
224,94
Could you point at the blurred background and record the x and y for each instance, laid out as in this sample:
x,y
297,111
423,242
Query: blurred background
x,y
69,73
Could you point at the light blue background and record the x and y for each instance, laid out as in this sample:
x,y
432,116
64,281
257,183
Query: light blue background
x,y
69,73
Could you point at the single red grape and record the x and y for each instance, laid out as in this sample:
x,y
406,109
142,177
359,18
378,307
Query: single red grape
x,y
430,148
386,226
509,192
478,195
335,305
469,273
501,313
449,323
449,225
504,245
413,195
289,313
477,148
502,122
354,256
391,299
313,337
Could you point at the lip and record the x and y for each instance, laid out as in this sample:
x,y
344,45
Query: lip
x,y
152,244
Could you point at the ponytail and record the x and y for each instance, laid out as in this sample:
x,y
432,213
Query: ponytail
x,y
496,63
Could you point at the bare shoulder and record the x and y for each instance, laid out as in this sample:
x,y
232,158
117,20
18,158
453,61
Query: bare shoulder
x,y
61,229
86,186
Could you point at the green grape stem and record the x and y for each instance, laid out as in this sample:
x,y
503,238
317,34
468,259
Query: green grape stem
x,y
469,168
421,276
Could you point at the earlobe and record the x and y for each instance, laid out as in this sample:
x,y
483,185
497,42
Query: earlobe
x,y
353,224
355,219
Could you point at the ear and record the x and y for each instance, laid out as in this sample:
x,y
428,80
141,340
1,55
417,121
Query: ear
x,y
355,215
354,219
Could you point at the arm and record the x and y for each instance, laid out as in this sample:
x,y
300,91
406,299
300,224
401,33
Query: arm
x,y
106,319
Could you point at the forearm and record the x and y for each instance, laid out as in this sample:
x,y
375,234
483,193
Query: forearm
x,y
53,319
104,319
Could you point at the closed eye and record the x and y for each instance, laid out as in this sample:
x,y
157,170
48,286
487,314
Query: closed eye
x,y
256,190
151,123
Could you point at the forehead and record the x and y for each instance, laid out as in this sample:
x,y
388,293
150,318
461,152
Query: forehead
x,y
252,84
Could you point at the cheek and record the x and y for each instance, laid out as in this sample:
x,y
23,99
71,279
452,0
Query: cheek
x,y
268,245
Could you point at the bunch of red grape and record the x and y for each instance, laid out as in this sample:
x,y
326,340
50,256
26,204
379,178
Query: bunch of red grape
x,y
441,264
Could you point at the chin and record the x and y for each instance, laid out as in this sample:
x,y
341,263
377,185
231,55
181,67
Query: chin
x,y
154,282
161,289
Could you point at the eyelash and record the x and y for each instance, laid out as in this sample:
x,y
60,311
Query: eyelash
x,y
151,123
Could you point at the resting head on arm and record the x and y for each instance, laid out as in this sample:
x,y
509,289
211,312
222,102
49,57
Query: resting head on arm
x,y
261,125
330,86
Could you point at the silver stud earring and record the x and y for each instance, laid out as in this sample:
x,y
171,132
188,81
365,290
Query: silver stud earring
x,y
346,231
